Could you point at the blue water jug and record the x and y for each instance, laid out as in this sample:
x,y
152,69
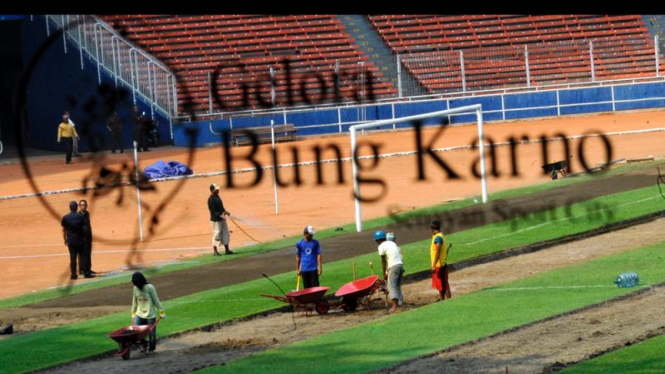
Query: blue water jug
x,y
627,280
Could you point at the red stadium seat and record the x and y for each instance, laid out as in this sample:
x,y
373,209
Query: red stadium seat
x,y
409,34
195,46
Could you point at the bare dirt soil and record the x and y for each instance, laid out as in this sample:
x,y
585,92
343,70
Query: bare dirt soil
x,y
553,344
566,338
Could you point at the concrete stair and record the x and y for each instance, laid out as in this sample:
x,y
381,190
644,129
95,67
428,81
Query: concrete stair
x,y
656,25
370,42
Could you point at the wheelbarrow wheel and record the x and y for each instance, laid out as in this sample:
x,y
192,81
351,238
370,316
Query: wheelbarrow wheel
x,y
125,351
322,307
349,305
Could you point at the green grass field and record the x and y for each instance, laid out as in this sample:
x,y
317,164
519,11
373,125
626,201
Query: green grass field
x,y
40,296
236,301
393,339
643,358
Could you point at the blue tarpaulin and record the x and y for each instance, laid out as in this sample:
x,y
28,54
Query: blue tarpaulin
x,y
161,169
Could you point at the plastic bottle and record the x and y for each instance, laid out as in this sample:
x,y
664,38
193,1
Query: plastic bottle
x,y
627,280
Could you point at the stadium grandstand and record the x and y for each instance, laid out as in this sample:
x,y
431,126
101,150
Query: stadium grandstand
x,y
324,73
195,46
494,50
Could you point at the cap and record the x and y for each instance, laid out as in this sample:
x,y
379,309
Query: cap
x,y
379,235
309,230
390,236
214,187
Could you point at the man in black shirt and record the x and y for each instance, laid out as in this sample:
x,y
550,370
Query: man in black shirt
x,y
85,257
114,125
218,215
73,232
138,129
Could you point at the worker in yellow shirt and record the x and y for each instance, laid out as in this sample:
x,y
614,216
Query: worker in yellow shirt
x,y
66,133
438,255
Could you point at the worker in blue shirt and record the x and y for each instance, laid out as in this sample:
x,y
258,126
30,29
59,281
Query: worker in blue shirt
x,y
308,258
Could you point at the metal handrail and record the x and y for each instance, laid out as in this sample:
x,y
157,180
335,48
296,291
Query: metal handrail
x,y
422,98
503,110
115,66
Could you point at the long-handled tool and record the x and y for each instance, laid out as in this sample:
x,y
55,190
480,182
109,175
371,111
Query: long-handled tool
x,y
273,282
354,271
241,229
298,283
447,259
385,292
371,266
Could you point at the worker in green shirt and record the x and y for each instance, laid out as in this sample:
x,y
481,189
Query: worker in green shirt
x,y
145,304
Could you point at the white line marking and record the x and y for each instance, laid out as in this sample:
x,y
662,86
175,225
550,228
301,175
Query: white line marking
x,y
96,252
550,288
307,163
217,301
557,220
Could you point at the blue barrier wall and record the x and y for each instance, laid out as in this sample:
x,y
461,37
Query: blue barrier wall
x,y
57,83
495,108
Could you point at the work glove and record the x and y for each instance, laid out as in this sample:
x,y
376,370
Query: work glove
x,y
162,314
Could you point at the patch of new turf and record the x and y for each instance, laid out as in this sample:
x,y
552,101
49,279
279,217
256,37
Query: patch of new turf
x,y
393,339
643,358
52,347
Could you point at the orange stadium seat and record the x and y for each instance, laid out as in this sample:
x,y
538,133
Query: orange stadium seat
x,y
195,45
627,56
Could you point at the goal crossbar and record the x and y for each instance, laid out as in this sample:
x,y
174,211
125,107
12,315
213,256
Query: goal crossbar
x,y
477,109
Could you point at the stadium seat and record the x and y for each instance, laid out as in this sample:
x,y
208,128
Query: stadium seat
x,y
622,45
193,46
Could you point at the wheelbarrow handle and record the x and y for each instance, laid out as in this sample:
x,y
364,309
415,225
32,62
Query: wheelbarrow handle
x,y
276,297
152,327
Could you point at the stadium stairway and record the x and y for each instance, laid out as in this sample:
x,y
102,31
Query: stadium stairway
x,y
656,25
369,41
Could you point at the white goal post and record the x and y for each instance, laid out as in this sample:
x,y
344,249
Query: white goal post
x,y
477,109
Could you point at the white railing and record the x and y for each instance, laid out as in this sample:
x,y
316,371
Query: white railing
x,y
128,64
284,111
528,66
443,74
340,124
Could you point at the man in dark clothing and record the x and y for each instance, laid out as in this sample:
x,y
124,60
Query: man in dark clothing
x,y
138,129
114,125
85,257
73,232
218,215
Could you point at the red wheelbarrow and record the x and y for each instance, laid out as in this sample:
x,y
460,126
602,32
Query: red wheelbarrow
x,y
358,292
131,335
309,299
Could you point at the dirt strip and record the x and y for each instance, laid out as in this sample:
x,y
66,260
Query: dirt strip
x,y
231,341
551,345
